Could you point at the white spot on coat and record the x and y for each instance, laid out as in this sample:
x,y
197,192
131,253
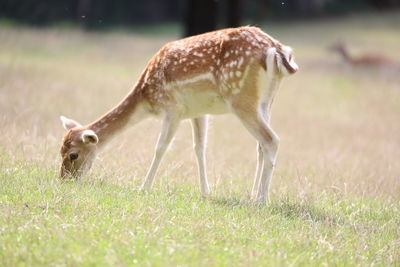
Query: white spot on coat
x,y
240,62
198,54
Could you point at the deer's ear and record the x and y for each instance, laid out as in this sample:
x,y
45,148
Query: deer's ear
x,y
89,137
68,123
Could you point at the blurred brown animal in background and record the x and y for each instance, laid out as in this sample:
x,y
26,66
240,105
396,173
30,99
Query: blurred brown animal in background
x,y
365,60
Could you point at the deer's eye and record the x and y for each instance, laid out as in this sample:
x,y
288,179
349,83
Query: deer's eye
x,y
73,156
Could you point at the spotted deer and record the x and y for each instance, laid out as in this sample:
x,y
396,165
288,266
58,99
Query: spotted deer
x,y
234,70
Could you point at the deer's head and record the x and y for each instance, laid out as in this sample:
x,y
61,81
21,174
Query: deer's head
x,y
78,149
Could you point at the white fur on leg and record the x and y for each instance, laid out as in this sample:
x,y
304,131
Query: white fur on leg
x,y
270,150
168,131
200,144
257,178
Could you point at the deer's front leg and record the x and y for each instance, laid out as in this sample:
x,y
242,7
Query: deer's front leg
x,y
200,142
169,127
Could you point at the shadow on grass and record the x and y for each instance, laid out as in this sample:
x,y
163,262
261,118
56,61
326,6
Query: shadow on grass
x,y
289,208
236,202
306,211
285,207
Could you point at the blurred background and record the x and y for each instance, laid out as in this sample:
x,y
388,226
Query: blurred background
x,y
338,117
101,14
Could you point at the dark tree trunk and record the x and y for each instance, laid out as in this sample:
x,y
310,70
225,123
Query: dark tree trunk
x,y
233,13
262,11
201,16
385,4
83,9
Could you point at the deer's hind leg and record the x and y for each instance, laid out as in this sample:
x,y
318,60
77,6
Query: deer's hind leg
x,y
256,123
265,109
259,169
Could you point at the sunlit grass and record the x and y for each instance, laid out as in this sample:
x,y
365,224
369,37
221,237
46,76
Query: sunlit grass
x,y
335,191
95,222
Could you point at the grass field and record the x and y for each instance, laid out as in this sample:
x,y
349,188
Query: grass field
x,y
335,195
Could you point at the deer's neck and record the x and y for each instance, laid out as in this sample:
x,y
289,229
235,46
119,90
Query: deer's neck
x,y
131,110
345,54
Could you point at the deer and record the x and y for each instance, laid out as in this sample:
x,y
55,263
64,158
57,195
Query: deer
x,y
235,70
368,60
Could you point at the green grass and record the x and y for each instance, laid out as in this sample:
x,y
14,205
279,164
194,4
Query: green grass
x,y
93,222
335,195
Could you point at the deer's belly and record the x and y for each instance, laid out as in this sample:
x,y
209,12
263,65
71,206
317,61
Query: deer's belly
x,y
195,103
